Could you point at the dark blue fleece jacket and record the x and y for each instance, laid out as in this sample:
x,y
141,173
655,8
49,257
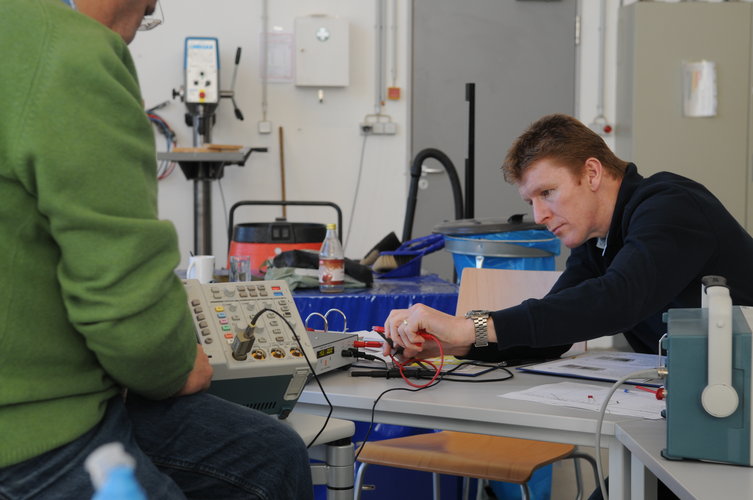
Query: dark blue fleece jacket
x,y
666,234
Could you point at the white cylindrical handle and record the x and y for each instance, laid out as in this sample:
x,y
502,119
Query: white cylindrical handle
x,y
719,398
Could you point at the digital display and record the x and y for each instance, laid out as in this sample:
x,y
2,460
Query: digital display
x,y
325,352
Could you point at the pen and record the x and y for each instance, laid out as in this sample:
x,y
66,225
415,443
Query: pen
x,y
644,389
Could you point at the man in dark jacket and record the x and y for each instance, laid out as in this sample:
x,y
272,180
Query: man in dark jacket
x,y
640,246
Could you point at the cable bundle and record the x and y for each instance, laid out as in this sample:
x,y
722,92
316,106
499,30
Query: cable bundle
x,y
165,167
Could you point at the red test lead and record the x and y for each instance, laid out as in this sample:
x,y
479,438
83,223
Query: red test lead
x,y
367,343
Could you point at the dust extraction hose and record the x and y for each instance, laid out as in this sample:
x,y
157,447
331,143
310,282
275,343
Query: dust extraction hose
x,y
415,174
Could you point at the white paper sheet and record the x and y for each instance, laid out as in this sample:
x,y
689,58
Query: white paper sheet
x,y
625,401
699,89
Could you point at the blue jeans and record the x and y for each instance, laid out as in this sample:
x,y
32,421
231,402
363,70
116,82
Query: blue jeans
x,y
197,446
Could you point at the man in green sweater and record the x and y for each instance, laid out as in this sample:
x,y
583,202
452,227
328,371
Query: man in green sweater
x,y
89,302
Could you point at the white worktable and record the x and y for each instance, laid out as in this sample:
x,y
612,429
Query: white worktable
x,y
473,407
689,480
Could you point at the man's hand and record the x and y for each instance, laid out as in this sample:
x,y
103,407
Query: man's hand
x,y
403,327
200,377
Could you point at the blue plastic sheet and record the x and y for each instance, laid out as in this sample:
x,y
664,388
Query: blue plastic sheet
x,y
540,485
367,307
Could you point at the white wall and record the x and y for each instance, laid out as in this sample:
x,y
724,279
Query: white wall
x,y
597,75
597,62
322,141
322,146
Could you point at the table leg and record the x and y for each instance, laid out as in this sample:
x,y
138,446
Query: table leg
x,y
642,481
619,471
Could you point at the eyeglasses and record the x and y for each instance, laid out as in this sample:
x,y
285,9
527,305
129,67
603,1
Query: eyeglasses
x,y
150,22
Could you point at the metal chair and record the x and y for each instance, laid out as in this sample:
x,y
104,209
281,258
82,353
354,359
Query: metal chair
x,y
333,449
468,455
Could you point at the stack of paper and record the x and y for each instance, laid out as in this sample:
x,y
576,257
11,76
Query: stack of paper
x,y
609,366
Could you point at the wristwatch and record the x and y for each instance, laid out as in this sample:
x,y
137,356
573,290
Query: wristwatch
x,y
480,319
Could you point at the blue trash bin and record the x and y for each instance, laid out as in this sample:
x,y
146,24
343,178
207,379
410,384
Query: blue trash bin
x,y
513,243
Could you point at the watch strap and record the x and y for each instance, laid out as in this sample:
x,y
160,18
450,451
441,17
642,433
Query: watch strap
x,y
480,327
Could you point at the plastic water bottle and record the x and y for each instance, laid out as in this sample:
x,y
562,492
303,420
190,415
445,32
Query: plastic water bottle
x,y
111,472
331,262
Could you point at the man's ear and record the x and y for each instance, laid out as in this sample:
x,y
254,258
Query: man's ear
x,y
594,173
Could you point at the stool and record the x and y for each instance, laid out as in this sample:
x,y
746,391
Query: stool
x,y
469,455
333,447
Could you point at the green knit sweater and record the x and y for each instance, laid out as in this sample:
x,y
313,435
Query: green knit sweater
x,y
89,302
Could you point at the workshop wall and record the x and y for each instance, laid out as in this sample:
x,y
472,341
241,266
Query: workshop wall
x,y
323,147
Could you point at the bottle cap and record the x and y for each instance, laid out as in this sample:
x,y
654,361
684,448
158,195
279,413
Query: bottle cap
x,y
331,226
108,456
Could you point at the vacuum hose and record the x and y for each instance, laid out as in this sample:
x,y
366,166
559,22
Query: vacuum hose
x,y
415,174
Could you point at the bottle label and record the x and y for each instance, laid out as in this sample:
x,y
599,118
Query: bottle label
x,y
331,272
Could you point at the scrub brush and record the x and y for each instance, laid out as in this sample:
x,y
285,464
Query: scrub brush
x,y
389,242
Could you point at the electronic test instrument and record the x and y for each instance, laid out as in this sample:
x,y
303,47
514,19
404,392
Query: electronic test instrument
x,y
709,379
255,341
